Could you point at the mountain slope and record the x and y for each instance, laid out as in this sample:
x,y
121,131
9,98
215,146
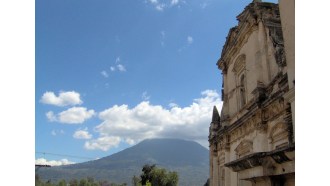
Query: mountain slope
x,y
188,158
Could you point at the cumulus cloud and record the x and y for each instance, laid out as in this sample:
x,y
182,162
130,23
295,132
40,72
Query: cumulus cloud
x,y
190,40
74,115
105,74
50,116
102,143
43,161
63,99
82,134
131,125
171,105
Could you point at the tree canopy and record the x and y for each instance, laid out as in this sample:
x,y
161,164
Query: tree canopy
x,y
158,176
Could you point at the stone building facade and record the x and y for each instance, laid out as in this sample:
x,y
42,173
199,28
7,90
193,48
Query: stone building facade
x,y
252,140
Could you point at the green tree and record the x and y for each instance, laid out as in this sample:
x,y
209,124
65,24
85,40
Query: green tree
x,y
62,183
158,176
146,175
84,182
136,181
104,183
73,182
172,178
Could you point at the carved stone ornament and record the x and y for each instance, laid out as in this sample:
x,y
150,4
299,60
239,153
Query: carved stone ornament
x,y
244,148
262,127
278,132
239,64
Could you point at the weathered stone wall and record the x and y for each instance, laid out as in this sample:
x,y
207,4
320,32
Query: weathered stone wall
x,y
253,141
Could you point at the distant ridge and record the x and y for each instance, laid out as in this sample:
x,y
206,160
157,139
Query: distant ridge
x,y
188,158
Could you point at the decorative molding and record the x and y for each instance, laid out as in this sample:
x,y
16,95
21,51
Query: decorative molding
x,y
239,64
244,148
273,110
245,129
261,159
278,132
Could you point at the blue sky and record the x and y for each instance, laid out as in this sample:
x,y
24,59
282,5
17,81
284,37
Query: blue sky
x,y
109,74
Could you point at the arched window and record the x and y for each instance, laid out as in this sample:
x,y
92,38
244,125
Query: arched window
x,y
239,71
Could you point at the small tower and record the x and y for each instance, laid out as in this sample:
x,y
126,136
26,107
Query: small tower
x,y
216,116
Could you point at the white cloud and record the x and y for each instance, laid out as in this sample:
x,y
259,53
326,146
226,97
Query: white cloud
x,y
82,134
190,40
103,143
50,116
161,5
145,120
121,68
64,98
171,105
75,115
42,161
104,74
174,2
130,141
53,133
153,1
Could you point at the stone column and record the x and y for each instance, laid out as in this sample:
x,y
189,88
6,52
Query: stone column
x,y
225,106
261,55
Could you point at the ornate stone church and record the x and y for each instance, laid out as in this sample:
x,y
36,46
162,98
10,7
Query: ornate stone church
x,y
252,139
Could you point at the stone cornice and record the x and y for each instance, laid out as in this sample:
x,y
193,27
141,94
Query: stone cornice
x,y
256,159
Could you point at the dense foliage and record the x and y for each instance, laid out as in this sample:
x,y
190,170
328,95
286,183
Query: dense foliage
x,y
151,175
